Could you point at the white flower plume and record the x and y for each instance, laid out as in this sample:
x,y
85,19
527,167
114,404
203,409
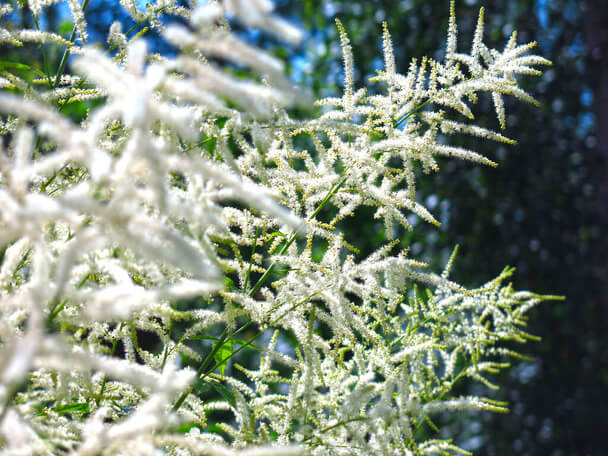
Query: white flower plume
x,y
178,253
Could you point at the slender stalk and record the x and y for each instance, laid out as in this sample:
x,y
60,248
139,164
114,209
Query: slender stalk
x,y
66,53
45,61
414,111
255,243
99,396
203,370
253,338
332,191
336,425
223,337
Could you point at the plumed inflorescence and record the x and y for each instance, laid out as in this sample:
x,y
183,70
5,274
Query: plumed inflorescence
x,y
187,183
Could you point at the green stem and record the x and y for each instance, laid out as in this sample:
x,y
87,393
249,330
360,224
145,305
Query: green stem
x,y
332,191
338,424
166,351
204,371
45,61
66,53
55,309
253,338
255,243
58,306
223,337
412,112
105,377
137,24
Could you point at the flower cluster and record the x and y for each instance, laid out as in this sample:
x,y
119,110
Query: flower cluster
x,y
187,184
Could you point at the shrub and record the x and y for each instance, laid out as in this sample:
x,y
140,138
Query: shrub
x,y
175,274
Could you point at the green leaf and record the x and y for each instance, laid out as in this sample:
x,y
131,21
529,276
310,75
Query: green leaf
x,y
229,283
185,428
225,392
78,407
201,387
20,66
222,355
202,338
233,340
65,28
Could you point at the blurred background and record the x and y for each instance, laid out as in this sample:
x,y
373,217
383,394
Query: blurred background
x,y
544,210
